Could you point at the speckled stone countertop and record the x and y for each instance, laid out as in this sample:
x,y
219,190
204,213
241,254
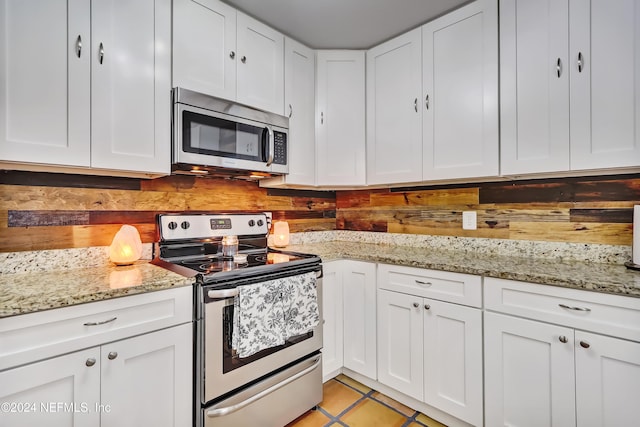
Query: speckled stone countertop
x,y
599,277
29,292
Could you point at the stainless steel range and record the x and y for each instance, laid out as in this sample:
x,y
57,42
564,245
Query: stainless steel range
x,y
246,374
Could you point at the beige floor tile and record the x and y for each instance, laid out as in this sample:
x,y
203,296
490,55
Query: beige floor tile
x,y
338,397
395,405
429,422
310,419
353,383
370,413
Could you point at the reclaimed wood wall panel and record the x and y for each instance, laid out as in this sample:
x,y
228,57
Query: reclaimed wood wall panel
x,y
57,211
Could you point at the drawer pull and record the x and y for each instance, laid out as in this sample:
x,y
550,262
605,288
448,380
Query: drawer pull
x,y
90,362
584,344
112,355
416,305
421,283
100,323
563,339
427,306
574,308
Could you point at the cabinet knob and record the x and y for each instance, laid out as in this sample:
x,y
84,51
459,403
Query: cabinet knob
x,y
563,339
243,59
584,344
112,355
232,54
427,306
416,305
90,362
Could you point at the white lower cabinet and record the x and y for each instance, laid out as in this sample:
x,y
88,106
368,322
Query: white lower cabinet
x,y
543,374
332,335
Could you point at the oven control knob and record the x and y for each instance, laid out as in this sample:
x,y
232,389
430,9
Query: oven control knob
x,y
172,225
260,223
251,223
185,225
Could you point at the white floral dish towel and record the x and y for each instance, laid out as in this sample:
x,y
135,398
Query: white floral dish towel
x,y
267,313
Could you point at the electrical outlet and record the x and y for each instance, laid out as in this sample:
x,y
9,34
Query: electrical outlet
x,y
469,220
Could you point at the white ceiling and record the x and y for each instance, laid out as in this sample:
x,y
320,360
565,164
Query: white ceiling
x,y
344,24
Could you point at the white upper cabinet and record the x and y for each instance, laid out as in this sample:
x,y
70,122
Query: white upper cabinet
x,y
86,84
223,52
340,118
394,113
45,82
261,67
534,86
604,64
204,47
570,79
460,93
130,85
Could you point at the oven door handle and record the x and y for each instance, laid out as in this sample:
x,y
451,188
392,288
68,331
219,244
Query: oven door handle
x,y
223,293
220,412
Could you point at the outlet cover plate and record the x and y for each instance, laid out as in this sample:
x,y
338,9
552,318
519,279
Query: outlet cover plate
x,y
469,220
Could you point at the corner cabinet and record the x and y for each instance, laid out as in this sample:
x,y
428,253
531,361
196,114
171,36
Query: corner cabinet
x,y
569,85
69,97
340,118
460,93
580,366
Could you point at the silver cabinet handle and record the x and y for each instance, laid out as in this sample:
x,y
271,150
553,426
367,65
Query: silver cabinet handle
x,y
243,59
559,67
574,308
427,307
580,62
421,283
79,46
415,104
584,344
232,54
321,118
219,412
290,110
416,305
90,362
563,339
112,355
223,293
100,323
272,146
101,54
426,101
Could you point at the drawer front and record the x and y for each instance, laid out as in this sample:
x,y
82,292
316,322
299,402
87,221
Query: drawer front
x,y
613,315
36,336
458,288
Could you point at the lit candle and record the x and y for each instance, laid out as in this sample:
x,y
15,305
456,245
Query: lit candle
x,y
280,234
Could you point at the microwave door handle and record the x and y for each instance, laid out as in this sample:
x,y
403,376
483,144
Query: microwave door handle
x,y
272,145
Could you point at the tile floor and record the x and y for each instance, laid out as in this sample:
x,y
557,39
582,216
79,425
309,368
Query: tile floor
x,y
348,403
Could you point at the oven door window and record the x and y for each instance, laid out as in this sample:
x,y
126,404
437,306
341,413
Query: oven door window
x,y
230,359
213,136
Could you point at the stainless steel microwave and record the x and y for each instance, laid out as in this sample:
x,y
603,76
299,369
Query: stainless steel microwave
x,y
215,135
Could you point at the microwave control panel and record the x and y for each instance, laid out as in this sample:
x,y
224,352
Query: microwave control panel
x,y
280,148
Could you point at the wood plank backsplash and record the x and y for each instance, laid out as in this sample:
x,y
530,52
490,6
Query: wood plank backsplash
x,y
54,211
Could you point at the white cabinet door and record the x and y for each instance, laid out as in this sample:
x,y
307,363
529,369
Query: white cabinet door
x,y
59,392
607,380
534,89
332,335
605,87
400,357
260,71
460,87
528,373
340,118
147,380
204,47
130,85
453,359
394,111
359,301
45,81
299,93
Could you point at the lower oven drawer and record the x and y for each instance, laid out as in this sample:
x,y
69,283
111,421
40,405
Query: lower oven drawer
x,y
274,401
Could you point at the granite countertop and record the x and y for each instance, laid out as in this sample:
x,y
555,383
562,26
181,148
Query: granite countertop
x,y
22,293
605,278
